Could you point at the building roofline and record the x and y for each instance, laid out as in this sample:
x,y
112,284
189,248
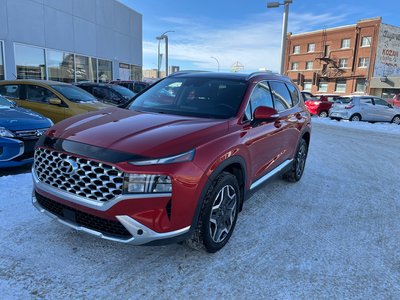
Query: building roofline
x,y
338,27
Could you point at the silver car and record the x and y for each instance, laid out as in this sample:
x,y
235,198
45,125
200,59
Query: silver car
x,y
364,108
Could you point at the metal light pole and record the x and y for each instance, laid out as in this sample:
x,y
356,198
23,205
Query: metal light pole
x,y
216,61
164,36
284,28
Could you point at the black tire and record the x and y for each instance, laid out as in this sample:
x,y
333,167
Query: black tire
x,y
335,119
323,114
216,224
396,119
300,158
355,118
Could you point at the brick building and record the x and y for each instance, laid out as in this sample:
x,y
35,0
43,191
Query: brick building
x,y
358,58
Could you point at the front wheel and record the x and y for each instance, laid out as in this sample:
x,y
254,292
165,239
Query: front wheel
x,y
297,170
218,215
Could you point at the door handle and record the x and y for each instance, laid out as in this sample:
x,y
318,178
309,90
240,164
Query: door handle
x,y
278,124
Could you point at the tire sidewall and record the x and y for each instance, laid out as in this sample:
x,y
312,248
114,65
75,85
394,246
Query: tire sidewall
x,y
228,179
302,142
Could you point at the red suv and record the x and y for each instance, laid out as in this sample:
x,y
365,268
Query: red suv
x,y
319,105
177,163
395,101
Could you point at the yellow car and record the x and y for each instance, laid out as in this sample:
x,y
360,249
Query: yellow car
x,y
53,99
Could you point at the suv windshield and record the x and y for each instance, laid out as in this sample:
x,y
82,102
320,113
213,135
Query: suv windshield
x,y
195,97
126,93
74,93
5,103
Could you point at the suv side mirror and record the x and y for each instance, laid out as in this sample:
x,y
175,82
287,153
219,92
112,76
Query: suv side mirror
x,y
265,113
55,101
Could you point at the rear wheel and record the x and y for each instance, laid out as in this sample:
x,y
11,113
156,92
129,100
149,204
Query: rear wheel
x,y
323,114
355,118
297,170
219,213
396,119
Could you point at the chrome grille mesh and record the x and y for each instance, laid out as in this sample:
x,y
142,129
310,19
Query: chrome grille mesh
x,y
91,179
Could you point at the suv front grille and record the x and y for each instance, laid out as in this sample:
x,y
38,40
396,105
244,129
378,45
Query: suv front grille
x,y
90,179
108,227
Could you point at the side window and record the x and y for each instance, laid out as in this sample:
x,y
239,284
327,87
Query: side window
x,y
281,96
40,94
100,92
293,93
379,101
11,90
261,96
366,101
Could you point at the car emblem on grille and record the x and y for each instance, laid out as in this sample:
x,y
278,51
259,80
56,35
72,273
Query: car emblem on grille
x,y
39,133
67,166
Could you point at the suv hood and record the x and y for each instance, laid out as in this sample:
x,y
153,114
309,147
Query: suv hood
x,y
17,118
141,133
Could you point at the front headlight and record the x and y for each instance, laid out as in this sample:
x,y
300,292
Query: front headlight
x,y
146,183
187,156
5,133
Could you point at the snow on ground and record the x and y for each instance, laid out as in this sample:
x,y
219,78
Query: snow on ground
x,y
383,127
334,234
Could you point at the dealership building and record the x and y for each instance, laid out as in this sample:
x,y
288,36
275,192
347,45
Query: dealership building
x,y
70,40
357,58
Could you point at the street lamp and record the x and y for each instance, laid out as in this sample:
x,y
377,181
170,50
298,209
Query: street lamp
x,y
284,27
163,36
216,61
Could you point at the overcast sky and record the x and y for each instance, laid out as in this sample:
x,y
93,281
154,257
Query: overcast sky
x,y
241,30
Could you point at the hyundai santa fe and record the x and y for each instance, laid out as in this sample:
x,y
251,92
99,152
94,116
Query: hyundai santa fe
x,y
175,164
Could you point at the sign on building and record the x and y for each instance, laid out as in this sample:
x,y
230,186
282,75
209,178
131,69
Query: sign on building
x,y
387,61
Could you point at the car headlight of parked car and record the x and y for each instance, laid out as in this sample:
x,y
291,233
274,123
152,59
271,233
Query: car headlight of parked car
x,y
5,133
183,157
147,183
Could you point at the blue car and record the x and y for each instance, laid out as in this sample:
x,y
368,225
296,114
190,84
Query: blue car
x,y
19,131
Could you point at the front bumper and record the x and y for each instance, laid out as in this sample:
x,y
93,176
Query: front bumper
x,y
135,233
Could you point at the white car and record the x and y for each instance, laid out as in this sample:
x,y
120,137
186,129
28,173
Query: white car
x,y
364,108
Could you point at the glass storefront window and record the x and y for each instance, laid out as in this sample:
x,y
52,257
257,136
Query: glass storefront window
x,y
136,72
30,62
60,66
1,62
105,70
85,68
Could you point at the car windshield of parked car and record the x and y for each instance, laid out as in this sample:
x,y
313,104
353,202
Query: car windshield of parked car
x,y
4,103
126,93
74,93
195,97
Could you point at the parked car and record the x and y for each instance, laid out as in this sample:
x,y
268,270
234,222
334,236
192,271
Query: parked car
x,y
174,165
134,85
395,101
108,93
19,131
52,99
320,104
364,108
309,96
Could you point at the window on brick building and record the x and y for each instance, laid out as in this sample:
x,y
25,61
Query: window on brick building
x,y
343,62
296,49
311,47
309,65
307,86
366,41
340,86
295,66
363,62
345,43
323,86
360,85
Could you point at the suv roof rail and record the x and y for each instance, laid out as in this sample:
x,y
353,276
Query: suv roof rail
x,y
254,74
187,72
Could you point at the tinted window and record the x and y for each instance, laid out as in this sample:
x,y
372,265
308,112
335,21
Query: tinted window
x,y
190,96
293,93
379,101
261,96
11,90
366,101
281,96
40,94
126,93
74,93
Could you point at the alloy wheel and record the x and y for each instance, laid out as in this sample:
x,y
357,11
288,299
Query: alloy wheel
x,y
301,159
396,120
223,212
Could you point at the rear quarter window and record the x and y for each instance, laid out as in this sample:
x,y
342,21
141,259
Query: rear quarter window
x,y
11,90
